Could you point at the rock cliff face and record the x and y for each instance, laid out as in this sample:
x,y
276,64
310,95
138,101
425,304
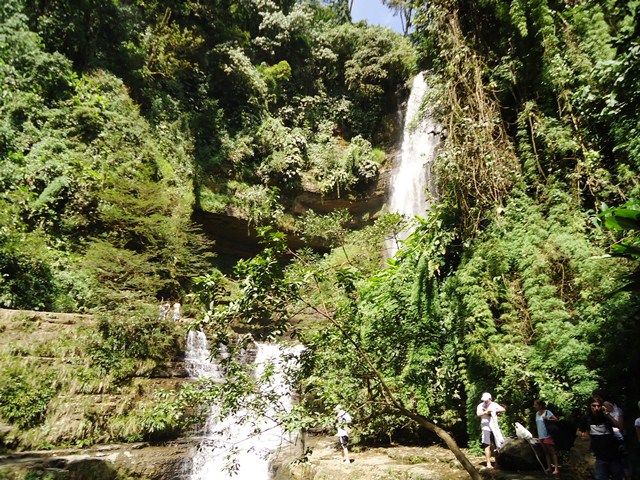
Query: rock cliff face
x,y
234,236
43,349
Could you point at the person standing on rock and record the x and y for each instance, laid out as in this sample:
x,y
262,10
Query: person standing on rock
x,y
176,311
488,412
543,416
342,424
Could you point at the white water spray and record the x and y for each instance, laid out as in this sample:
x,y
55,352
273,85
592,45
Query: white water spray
x,y
411,174
237,448
197,358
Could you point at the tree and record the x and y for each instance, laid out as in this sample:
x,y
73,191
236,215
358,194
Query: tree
x,y
349,357
403,8
343,9
345,339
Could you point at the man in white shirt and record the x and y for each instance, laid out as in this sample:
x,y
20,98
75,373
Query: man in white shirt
x,y
488,412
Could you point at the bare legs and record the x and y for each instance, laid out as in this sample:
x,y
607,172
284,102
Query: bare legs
x,y
344,442
345,455
487,455
552,458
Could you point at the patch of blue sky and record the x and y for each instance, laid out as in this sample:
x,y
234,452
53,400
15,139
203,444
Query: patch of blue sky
x,y
375,13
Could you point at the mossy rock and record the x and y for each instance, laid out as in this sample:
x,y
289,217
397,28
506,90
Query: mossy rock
x,y
92,468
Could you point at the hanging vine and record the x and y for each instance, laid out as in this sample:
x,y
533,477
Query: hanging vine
x,y
477,166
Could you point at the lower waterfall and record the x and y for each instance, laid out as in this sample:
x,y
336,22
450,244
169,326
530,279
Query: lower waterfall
x,y
232,448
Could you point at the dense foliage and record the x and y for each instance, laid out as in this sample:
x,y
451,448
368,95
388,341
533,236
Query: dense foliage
x,y
535,257
101,202
508,285
119,119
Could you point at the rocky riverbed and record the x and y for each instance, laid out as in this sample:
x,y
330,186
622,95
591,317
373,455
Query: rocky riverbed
x,y
395,462
171,461
402,462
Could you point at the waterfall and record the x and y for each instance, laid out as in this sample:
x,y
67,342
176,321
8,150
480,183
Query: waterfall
x,y
411,173
233,448
197,358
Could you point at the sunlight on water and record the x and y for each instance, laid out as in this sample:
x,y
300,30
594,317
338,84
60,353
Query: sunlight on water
x,y
410,177
232,448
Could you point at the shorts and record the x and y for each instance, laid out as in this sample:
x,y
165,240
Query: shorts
x,y
547,441
487,438
344,441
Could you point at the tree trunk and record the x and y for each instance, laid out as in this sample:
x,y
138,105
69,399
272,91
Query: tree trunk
x,y
393,403
448,440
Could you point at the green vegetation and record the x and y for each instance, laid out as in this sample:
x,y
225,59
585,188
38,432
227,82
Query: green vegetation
x,y
24,404
88,186
111,135
119,120
73,381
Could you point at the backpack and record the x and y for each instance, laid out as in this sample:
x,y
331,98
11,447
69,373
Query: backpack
x,y
564,434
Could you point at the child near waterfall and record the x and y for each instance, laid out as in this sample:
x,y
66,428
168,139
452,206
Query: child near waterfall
x,y
343,421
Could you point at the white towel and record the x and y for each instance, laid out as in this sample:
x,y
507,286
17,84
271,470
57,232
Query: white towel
x,y
522,432
495,429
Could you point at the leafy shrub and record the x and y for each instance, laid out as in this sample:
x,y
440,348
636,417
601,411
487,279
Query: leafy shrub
x,y
212,202
23,401
258,203
338,168
284,151
124,339
26,278
330,229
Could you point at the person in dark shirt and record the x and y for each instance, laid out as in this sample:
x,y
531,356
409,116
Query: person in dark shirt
x,y
598,426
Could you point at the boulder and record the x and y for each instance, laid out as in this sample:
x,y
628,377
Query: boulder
x,y
518,454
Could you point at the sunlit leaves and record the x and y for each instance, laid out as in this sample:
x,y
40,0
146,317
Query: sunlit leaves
x,y
168,47
625,220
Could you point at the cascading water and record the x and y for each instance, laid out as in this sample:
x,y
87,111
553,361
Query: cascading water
x,y
197,358
411,174
234,448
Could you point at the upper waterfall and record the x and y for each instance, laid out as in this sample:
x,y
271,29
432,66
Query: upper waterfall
x,y
411,173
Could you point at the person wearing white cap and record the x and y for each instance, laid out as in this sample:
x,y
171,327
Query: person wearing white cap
x,y
343,421
488,412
